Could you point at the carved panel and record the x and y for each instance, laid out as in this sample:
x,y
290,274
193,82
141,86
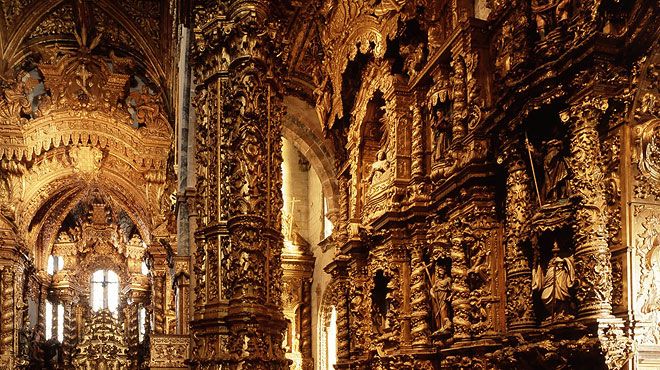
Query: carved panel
x,y
169,351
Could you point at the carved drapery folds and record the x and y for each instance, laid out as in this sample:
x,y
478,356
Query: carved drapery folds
x,y
237,261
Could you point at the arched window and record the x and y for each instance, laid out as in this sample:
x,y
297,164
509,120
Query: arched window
x,y
105,291
332,339
327,346
54,321
55,264
144,268
54,315
327,224
142,324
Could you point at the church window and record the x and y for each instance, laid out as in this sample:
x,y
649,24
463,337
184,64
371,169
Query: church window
x,y
105,291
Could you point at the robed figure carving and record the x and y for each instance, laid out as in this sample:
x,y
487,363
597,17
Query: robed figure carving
x,y
440,299
555,184
555,283
441,135
379,167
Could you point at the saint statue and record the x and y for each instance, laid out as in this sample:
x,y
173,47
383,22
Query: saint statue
x,y
554,284
440,135
440,295
379,167
555,184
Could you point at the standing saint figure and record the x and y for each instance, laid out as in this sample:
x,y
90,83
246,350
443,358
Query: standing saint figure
x,y
440,294
555,283
555,184
441,139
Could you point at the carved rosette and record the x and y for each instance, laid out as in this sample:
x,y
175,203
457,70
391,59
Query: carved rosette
x,y
520,314
592,253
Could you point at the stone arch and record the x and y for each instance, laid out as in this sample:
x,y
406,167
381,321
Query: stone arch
x,y
58,206
302,128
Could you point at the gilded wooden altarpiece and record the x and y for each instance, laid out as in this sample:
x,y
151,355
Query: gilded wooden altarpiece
x,y
86,143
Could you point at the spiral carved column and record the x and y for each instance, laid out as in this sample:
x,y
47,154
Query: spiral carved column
x,y
592,253
520,312
306,326
158,301
7,317
420,306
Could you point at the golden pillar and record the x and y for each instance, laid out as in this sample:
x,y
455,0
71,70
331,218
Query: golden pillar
x,y
237,274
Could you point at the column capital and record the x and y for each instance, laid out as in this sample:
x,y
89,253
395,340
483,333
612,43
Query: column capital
x,y
585,110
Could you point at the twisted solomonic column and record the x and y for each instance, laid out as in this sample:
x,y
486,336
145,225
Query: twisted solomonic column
x,y
592,253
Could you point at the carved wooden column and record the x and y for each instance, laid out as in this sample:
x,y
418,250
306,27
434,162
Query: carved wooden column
x,y
7,315
419,292
237,278
66,297
418,145
12,303
359,308
592,253
344,209
338,269
306,325
136,295
520,310
182,293
158,298
460,300
458,78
